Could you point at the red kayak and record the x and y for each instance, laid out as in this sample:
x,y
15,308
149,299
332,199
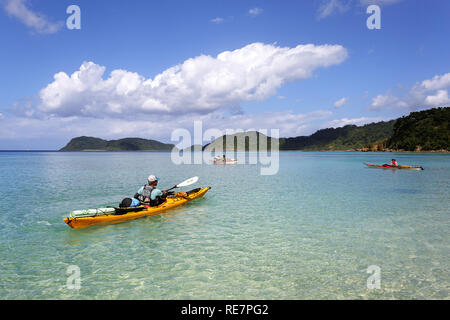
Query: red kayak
x,y
388,166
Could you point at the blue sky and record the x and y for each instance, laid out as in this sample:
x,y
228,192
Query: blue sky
x,y
348,74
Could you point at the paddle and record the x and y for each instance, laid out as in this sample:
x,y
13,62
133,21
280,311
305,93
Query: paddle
x,y
185,183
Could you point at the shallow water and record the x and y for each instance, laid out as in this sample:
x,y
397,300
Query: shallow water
x,y
309,232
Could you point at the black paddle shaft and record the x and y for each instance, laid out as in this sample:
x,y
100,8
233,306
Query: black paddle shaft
x,y
175,186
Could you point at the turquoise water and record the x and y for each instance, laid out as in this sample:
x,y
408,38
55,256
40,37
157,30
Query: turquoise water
x,y
309,232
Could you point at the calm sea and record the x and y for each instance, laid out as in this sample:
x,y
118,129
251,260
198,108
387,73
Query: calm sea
x,y
309,232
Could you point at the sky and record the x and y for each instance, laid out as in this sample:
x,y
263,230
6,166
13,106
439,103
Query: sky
x,y
145,68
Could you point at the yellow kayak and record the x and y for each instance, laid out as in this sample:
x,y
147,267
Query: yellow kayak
x,y
121,214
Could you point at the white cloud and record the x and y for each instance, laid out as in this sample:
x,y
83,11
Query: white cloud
x,y
428,93
338,104
378,2
329,7
289,123
356,121
38,22
1,116
381,101
255,11
437,82
199,85
439,99
217,20
424,94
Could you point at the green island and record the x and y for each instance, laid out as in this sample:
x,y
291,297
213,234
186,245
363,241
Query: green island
x,y
422,131
127,144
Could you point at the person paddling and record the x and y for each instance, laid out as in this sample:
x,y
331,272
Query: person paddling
x,y
149,194
394,163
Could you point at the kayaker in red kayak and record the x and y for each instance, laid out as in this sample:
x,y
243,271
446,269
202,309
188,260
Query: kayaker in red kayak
x,y
393,165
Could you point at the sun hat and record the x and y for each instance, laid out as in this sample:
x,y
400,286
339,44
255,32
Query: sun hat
x,y
152,178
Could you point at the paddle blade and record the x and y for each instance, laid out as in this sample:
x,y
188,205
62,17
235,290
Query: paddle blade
x,y
188,182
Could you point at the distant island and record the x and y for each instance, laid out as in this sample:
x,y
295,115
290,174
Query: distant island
x,y
127,144
426,130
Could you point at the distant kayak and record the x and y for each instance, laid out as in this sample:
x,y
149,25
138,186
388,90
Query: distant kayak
x,y
387,166
228,161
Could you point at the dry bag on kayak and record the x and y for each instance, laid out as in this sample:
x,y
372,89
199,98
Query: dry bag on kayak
x,y
129,202
91,212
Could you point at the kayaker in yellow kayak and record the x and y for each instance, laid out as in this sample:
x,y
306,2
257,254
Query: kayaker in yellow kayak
x,y
149,194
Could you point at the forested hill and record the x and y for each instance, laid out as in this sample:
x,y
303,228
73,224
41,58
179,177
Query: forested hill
x,y
350,137
127,144
426,130
345,138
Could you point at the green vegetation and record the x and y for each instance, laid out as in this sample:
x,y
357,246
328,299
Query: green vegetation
x,y
425,130
349,137
127,144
